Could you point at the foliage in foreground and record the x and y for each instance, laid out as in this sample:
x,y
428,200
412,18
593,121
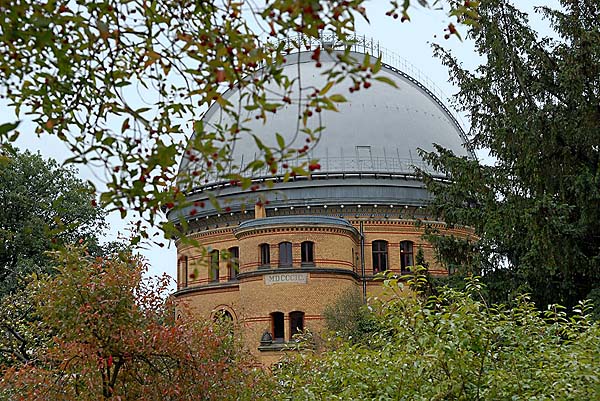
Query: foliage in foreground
x,y
115,337
348,318
453,346
122,84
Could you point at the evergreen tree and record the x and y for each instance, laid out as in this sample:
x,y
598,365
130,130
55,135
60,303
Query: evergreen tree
x,y
535,106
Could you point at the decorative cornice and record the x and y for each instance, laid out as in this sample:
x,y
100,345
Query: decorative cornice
x,y
295,223
207,287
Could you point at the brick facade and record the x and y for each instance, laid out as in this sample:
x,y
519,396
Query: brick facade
x,y
258,291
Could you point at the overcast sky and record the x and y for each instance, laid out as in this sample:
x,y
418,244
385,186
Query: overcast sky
x,y
411,40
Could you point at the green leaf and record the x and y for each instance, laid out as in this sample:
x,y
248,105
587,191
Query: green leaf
x,y
7,127
377,66
387,80
337,98
280,141
326,88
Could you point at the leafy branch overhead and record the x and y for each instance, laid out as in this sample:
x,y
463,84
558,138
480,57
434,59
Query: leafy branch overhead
x,y
124,83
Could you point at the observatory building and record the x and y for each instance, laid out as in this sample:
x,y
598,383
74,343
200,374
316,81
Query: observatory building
x,y
273,267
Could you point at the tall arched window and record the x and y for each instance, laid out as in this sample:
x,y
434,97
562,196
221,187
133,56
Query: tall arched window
x,y
183,271
285,254
277,327
380,256
406,256
265,255
307,249
296,323
214,266
234,262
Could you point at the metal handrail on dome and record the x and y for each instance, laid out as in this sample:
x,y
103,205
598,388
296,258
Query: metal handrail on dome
x,y
355,164
325,175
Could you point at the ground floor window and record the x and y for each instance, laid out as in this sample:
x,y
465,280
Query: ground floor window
x,y
296,322
223,316
277,327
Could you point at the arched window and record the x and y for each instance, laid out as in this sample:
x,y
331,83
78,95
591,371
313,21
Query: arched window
x,y
296,322
285,254
380,256
307,249
214,266
234,262
277,327
223,316
265,255
406,256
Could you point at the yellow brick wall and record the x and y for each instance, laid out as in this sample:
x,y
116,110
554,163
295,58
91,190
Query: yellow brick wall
x,y
251,301
331,248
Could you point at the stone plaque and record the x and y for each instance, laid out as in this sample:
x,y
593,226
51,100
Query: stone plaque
x,y
282,278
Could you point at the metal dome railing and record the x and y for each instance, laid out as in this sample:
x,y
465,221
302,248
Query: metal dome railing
x,y
353,164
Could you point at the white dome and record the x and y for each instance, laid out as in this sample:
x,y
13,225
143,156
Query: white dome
x,y
378,129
